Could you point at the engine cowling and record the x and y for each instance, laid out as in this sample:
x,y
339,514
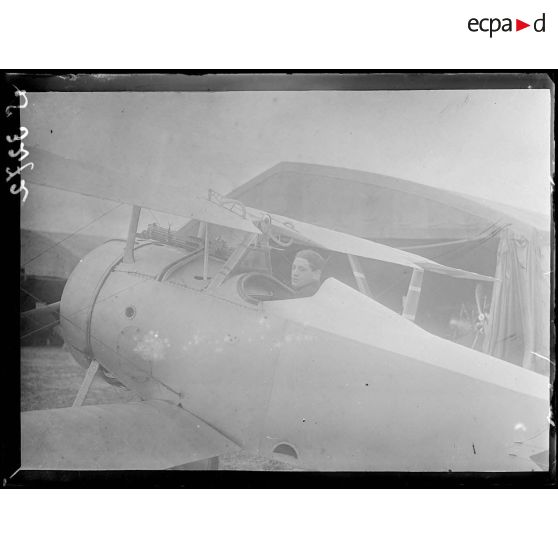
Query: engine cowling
x,y
80,295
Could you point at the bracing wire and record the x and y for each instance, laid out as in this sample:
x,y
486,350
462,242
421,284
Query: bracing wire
x,y
70,235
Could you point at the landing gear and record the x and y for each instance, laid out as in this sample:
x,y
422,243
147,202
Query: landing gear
x,y
86,383
110,378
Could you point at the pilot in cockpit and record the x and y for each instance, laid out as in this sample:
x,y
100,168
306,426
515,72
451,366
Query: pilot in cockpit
x,y
306,272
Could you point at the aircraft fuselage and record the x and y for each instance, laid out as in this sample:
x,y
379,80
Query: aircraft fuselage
x,y
332,382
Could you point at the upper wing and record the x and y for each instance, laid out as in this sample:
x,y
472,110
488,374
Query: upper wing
x,y
348,244
68,174
129,436
62,173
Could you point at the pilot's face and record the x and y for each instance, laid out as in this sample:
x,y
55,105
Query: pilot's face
x,y
302,274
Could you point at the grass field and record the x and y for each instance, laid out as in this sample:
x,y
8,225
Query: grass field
x,y
50,378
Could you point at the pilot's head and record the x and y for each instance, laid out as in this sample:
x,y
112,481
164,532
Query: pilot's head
x,y
307,268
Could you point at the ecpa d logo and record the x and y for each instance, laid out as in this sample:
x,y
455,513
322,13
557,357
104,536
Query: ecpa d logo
x,y
494,24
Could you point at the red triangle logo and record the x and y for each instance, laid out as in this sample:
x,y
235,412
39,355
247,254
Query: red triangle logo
x,y
519,25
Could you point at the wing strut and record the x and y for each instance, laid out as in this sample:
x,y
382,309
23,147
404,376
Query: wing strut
x,y
206,252
413,295
86,384
232,262
131,241
359,275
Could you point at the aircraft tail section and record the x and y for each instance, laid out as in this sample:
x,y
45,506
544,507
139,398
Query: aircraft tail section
x,y
342,311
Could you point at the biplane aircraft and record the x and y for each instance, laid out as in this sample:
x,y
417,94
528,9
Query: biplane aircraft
x,y
223,356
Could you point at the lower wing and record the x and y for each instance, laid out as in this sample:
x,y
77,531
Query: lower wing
x,y
130,436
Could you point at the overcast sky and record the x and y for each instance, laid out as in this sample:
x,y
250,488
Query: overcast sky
x,y
491,144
